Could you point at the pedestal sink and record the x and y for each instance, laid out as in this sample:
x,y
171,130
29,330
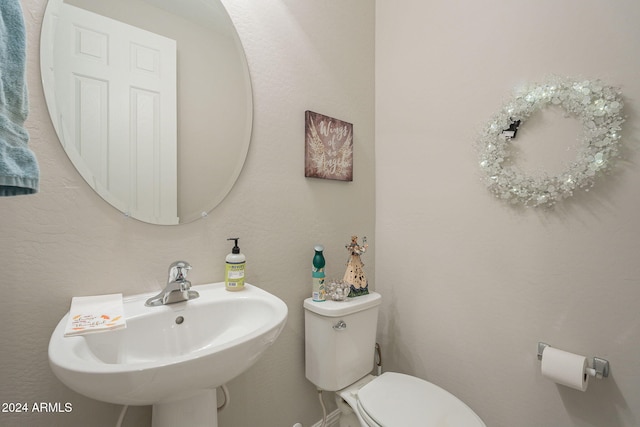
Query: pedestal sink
x,y
173,356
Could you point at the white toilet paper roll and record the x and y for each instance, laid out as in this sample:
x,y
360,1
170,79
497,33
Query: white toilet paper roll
x,y
565,368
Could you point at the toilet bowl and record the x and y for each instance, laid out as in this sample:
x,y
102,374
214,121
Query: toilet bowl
x,y
339,353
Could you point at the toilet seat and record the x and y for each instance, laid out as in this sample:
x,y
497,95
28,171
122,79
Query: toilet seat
x,y
399,400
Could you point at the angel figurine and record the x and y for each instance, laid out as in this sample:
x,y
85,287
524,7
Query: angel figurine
x,y
355,273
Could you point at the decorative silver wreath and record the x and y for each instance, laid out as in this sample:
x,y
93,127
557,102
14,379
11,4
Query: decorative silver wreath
x,y
596,105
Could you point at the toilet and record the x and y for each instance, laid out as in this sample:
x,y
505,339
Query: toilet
x,y
339,355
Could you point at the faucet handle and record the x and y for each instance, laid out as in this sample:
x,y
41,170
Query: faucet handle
x,y
178,271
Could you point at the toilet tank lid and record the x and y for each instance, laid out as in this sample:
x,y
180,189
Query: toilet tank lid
x,y
342,308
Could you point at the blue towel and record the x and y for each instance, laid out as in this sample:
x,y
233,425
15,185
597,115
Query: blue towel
x,y
19,172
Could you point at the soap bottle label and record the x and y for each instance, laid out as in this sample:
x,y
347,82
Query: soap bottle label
x,y
234,274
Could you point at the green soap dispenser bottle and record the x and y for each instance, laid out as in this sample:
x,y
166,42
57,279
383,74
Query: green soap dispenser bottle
x,y
234,268
317,275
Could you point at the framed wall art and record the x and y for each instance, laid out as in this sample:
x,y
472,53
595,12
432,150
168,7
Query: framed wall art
x,y
328,147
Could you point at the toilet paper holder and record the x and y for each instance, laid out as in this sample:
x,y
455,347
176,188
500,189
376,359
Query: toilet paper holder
x,y
599,369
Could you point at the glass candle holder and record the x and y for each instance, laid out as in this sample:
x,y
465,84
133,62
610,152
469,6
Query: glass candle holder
x,y
337,290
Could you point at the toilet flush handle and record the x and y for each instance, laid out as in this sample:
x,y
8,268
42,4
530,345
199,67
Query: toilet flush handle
x,y
340,325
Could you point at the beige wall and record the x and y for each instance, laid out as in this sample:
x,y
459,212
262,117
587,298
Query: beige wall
x,y
66,241
470,285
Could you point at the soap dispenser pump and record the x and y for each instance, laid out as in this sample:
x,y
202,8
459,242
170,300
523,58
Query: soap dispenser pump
x,y
234,268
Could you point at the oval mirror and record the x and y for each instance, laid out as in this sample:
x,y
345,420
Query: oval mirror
x,y
151,100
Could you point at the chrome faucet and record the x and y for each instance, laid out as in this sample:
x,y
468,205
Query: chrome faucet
x,y
177,289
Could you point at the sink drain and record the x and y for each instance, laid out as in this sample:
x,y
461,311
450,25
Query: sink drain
x,y
179,320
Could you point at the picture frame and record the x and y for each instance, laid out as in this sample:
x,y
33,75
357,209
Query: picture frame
x,y
328,147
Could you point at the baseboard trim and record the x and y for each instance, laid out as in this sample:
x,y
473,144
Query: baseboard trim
x,y
332,419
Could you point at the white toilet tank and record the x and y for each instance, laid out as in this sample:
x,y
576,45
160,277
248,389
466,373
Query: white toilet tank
x,y
340,339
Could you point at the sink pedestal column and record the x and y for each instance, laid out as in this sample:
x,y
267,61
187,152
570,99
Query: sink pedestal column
x,y
196,409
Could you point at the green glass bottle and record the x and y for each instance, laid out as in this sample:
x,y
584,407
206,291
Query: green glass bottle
x,y
317,275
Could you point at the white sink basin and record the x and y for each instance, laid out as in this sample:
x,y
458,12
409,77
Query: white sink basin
x,y
168,352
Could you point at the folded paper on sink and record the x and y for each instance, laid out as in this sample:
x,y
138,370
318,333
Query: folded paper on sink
x,y
92,314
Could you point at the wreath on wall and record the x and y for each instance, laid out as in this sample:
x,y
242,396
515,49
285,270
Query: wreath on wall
x,y
596,105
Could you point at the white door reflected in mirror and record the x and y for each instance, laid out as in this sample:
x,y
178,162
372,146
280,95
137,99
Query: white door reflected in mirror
x,y
151,101
125,146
